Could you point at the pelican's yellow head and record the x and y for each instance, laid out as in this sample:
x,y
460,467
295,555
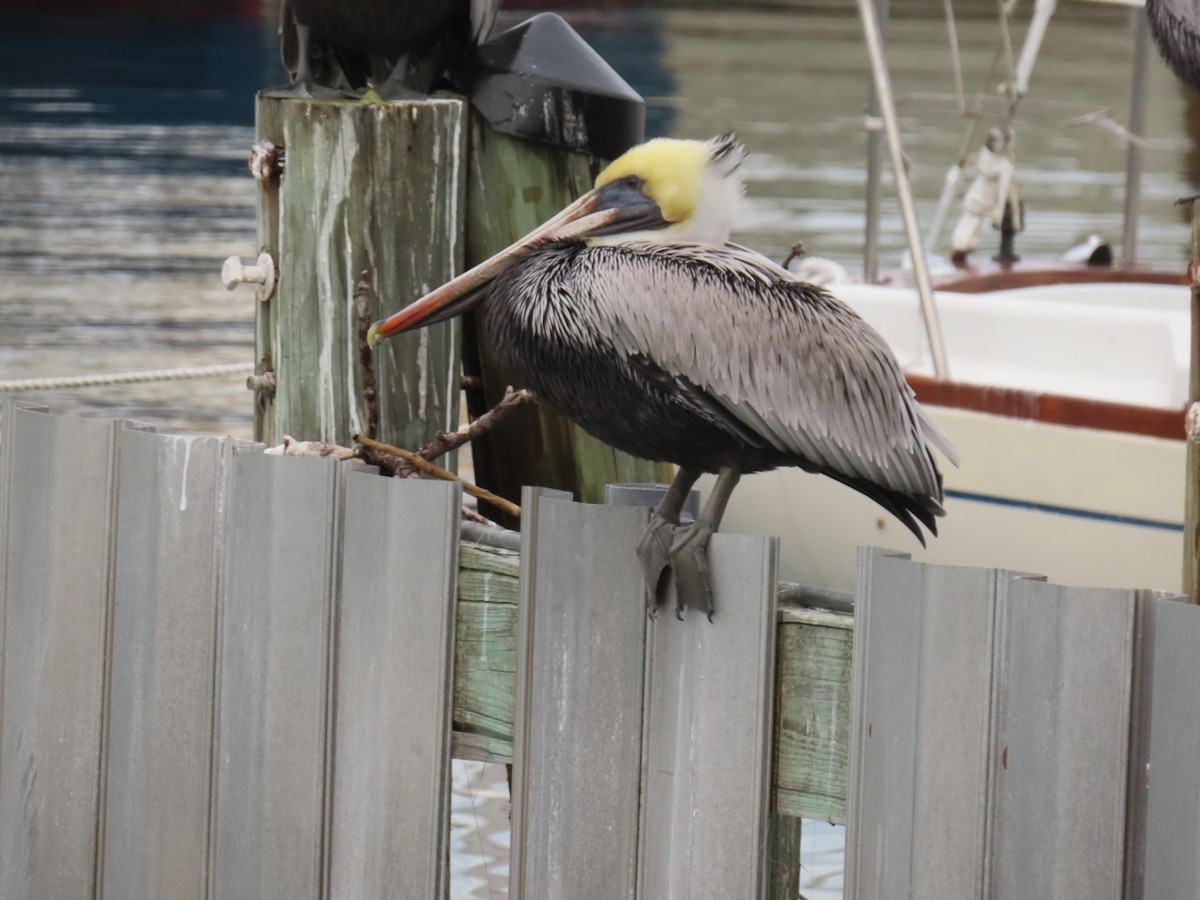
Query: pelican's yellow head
x,y
674,190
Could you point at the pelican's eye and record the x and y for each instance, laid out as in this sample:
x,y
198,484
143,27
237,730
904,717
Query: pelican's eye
x,y
633,182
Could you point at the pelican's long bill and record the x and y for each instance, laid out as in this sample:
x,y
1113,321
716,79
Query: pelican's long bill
x,y
459,294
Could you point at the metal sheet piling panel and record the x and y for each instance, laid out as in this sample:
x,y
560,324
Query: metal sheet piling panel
x,y
1061,740
922,681
56,590
395,654
883,728
273,678
169,524
1168,755
578,733
709,716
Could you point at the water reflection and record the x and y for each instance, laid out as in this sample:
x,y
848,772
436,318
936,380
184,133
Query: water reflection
x,y
479,831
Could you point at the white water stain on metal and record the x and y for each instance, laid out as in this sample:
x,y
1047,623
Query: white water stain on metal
x,y
186,440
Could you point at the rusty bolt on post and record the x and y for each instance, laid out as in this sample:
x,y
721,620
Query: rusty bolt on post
x,y
266,160
264,383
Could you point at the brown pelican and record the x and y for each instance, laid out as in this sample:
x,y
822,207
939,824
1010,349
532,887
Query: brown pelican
x,y
1175,25
631,313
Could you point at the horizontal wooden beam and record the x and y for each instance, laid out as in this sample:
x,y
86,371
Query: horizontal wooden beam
x,y
812,687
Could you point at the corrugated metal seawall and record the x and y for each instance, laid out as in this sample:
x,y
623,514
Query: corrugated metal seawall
x,y
226,674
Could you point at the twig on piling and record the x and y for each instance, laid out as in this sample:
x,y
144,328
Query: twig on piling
x,y
364,297
429,468
390,463
452,440
797,250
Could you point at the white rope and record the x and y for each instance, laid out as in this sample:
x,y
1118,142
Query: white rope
x,y
77,381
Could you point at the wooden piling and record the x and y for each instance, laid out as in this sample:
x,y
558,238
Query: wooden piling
x,y
512,187
1191,508
400,191
374,187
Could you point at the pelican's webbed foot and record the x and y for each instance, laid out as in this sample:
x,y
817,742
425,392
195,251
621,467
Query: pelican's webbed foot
x,y
654,553
689,561
654,549
689,553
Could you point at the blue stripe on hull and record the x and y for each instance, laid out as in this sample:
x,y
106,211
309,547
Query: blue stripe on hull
x,y
1135,521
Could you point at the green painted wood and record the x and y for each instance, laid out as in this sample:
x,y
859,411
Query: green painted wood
x,y
813,709
365,186
812,694
485,661
512,187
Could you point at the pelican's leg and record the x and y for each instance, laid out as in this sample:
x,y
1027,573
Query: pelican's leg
x,y
689,553
395,86
654,549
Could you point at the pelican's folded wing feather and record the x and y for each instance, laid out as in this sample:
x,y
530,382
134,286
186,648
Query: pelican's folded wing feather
x,y
787,360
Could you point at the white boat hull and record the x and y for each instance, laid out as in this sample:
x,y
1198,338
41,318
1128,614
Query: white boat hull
x,y
1077,505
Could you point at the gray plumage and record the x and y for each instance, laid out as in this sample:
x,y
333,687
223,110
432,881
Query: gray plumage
x,y
709,356
1175,25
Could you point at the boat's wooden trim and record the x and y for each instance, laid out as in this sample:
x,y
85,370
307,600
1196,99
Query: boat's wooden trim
x,y
1000,279
986,276
1055,409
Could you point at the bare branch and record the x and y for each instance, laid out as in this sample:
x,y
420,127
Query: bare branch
x,y
452,440
293,447
438,472
797,250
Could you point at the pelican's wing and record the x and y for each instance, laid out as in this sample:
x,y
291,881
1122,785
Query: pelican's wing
x,y
786,360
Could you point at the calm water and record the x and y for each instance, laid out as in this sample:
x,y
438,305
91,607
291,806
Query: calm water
x,y
123,185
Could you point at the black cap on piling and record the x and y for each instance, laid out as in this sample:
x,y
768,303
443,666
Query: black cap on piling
x,y
540,80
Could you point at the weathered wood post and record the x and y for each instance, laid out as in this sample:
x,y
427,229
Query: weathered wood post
x,y
400,191
1191,509
362,187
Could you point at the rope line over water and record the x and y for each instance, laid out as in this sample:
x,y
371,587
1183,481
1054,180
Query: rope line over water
x,y
77,381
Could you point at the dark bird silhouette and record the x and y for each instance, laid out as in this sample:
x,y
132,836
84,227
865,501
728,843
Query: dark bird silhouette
x,y
401,48
631,313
